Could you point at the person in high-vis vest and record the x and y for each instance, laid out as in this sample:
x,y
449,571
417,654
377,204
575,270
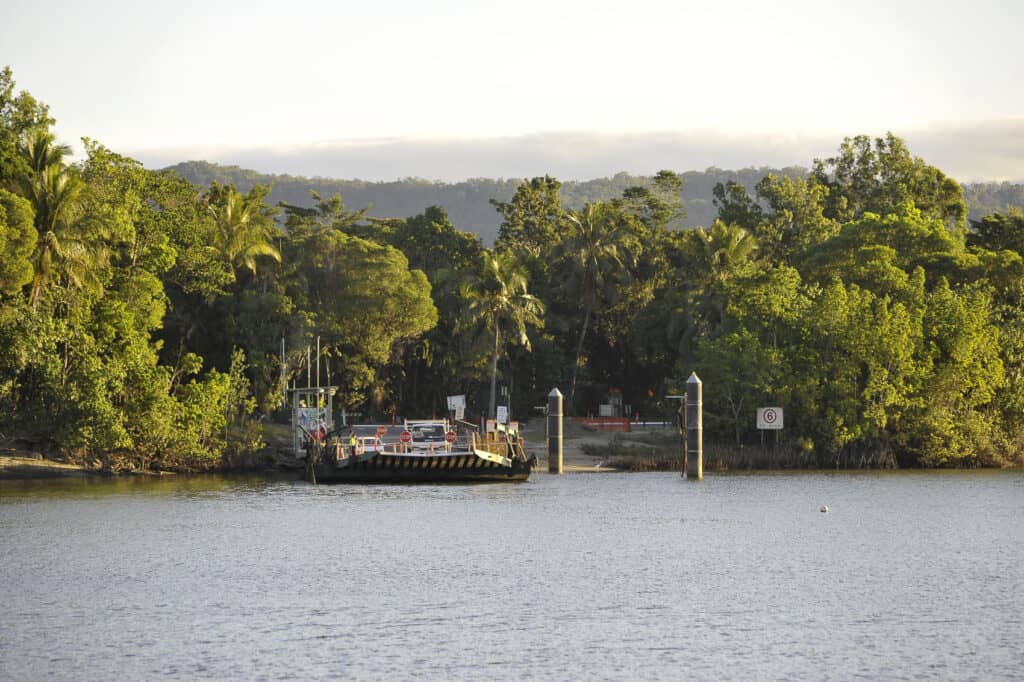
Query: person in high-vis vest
x,y
352,442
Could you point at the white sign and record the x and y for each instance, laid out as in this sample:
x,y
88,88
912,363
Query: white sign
x,y
455,402
312,418
502,415
769,418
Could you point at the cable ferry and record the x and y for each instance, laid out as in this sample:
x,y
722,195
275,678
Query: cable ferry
x,y
418,451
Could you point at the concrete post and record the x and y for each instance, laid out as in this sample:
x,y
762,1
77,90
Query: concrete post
x,y
694,428
555,431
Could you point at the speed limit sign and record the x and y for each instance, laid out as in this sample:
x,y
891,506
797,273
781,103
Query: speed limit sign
x,y
769,418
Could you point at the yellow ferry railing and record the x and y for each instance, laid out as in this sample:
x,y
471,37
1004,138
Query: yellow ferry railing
x,y
495,447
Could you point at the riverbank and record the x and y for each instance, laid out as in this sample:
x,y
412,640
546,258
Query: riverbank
x,y
581,447
650,448
658,448
17,465
22,465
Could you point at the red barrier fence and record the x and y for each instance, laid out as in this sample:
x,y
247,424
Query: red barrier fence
x,y
604,424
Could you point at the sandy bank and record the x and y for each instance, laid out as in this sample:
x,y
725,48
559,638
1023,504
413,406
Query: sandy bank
x,y
30,465
574,439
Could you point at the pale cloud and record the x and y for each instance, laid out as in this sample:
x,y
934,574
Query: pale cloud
x,y
972,151
984,151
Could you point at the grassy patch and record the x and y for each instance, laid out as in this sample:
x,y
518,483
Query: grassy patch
x,y
641,452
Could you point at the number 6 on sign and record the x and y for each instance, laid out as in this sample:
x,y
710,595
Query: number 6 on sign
x,y
769,417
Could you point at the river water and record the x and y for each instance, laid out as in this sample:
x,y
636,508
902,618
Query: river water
x,y
580,576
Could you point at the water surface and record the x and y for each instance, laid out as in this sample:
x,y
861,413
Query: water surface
x,y
585,576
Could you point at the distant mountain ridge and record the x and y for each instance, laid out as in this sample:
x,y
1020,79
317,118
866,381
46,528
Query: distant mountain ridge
x,y
468,202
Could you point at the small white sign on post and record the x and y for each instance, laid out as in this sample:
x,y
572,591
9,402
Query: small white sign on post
x,y
769,418
502,415
457,404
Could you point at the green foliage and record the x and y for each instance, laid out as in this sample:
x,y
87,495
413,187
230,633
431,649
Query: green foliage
x,y
244,226
797,220
892,350
17,242
723,252
745,372
596,258
955,424
534,220
67,250
80,372
364,301
433,245
499,307
19,114
999,231
243,433
736,207
444,359
908,237
880,176
200,424
657,206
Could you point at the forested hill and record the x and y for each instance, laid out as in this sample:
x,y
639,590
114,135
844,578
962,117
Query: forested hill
x,y
468,203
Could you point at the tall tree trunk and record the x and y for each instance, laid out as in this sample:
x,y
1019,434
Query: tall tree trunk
x,y
492,413
576,367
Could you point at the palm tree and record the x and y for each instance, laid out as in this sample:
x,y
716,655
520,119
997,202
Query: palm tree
x,y
40,149
725,249
717,256
54,191
242,231
500,304
599,257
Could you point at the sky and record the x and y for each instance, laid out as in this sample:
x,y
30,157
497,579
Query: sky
x,y
446,89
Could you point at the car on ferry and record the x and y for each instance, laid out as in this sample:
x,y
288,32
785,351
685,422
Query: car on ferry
x,y
427,435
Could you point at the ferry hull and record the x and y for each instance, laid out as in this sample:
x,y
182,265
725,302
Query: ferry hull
x,y
407,468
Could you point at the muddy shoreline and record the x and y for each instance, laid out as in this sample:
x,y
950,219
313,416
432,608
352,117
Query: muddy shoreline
x,y
28,465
